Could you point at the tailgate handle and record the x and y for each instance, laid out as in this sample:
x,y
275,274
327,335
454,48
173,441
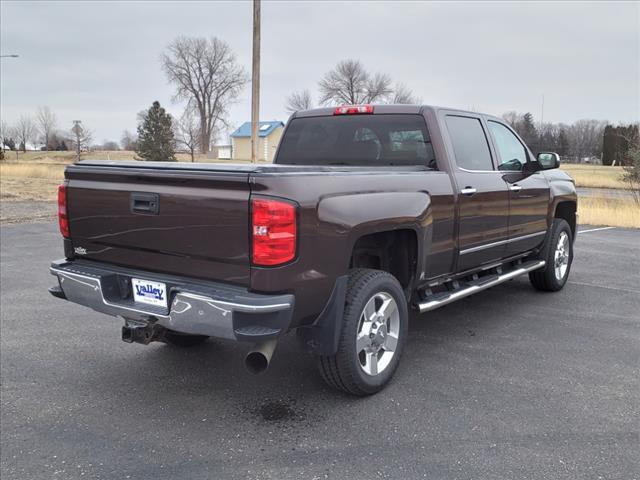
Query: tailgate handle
x,y
145,203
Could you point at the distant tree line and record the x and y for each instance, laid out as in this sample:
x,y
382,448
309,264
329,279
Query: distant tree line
x,y
208,79
584,138
41,131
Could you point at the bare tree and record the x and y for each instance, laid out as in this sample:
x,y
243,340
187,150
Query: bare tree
x,y
206,73
403,95
128,140
23,131
188,131
586,137
379,88
86,139
4,133
349,83
299,101
109,145
631,175
512,118
46,124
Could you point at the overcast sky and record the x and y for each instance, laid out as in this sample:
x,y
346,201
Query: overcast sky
x,y
99,61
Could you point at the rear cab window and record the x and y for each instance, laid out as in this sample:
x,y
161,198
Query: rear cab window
x,y
357,140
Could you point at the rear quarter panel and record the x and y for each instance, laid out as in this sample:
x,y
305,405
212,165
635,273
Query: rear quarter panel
x,y
335,209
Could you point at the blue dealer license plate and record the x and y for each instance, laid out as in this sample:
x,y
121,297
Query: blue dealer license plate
x,y
150,293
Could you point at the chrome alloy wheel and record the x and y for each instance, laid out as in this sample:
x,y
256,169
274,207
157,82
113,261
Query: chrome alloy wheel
x,y
378,330
561,257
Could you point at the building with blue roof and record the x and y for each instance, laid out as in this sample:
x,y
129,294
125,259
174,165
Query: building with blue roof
x,y
269,134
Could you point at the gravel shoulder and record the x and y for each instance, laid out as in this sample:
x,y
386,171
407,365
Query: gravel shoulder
x,y
27,211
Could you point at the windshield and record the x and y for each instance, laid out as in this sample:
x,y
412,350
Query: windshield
x,y
357,140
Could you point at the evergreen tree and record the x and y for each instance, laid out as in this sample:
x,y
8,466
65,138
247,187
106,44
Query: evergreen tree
x,y
10,143
616,143
155,135
527,130
609,145
563,143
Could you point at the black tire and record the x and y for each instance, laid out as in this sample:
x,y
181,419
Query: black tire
x,y
343,370
184,340
546,279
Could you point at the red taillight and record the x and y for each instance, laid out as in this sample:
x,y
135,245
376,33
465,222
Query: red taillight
x,y
353,109
274,231
63,220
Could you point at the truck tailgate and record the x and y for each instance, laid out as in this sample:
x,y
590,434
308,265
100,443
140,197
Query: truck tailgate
x,y
165,219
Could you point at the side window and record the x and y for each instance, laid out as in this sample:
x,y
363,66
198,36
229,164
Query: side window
x,y
469,143
513,155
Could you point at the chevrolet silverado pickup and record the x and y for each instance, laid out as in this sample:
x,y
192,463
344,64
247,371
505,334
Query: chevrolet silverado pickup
x,y
367,211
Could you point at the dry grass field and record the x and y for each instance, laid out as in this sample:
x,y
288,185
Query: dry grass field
x,y
37,174
615,212
26,188
32,170
595,176
70,157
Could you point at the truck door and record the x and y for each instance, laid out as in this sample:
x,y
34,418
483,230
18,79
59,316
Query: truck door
x,y
528,191
483,197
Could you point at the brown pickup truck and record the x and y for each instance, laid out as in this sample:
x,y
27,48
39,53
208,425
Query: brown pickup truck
x,y
366,212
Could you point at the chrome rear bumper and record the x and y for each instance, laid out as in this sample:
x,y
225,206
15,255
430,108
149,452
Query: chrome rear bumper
x,y
196,307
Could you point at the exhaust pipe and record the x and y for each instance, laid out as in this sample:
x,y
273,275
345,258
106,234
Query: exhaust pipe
x,y
259,357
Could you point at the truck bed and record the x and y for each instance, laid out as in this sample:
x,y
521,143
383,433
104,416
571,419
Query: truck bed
x,y
200,228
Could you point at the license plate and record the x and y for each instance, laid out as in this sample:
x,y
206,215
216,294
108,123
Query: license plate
x,y
151,293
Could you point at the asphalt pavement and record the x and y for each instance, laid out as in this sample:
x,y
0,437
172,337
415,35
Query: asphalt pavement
x,y
508,384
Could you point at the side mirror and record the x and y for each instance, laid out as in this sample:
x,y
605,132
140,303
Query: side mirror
x,y
548,160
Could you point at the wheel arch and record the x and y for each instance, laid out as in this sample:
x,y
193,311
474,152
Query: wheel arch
x,y
393,251
567,210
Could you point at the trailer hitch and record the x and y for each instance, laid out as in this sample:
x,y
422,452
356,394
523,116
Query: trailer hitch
x,y
142,332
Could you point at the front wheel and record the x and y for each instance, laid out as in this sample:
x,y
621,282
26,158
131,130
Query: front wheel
x,y
558,256
374,329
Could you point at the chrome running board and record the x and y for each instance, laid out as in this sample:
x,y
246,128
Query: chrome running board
x,y
476,286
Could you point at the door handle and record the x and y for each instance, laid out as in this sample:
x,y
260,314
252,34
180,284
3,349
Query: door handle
x,y
468,191
515,187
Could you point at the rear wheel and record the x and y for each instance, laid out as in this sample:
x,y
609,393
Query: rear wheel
x,y
558,254
184,340
374,329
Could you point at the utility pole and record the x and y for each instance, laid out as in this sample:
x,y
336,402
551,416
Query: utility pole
x,y
542,113
255,82
2,139
77,129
